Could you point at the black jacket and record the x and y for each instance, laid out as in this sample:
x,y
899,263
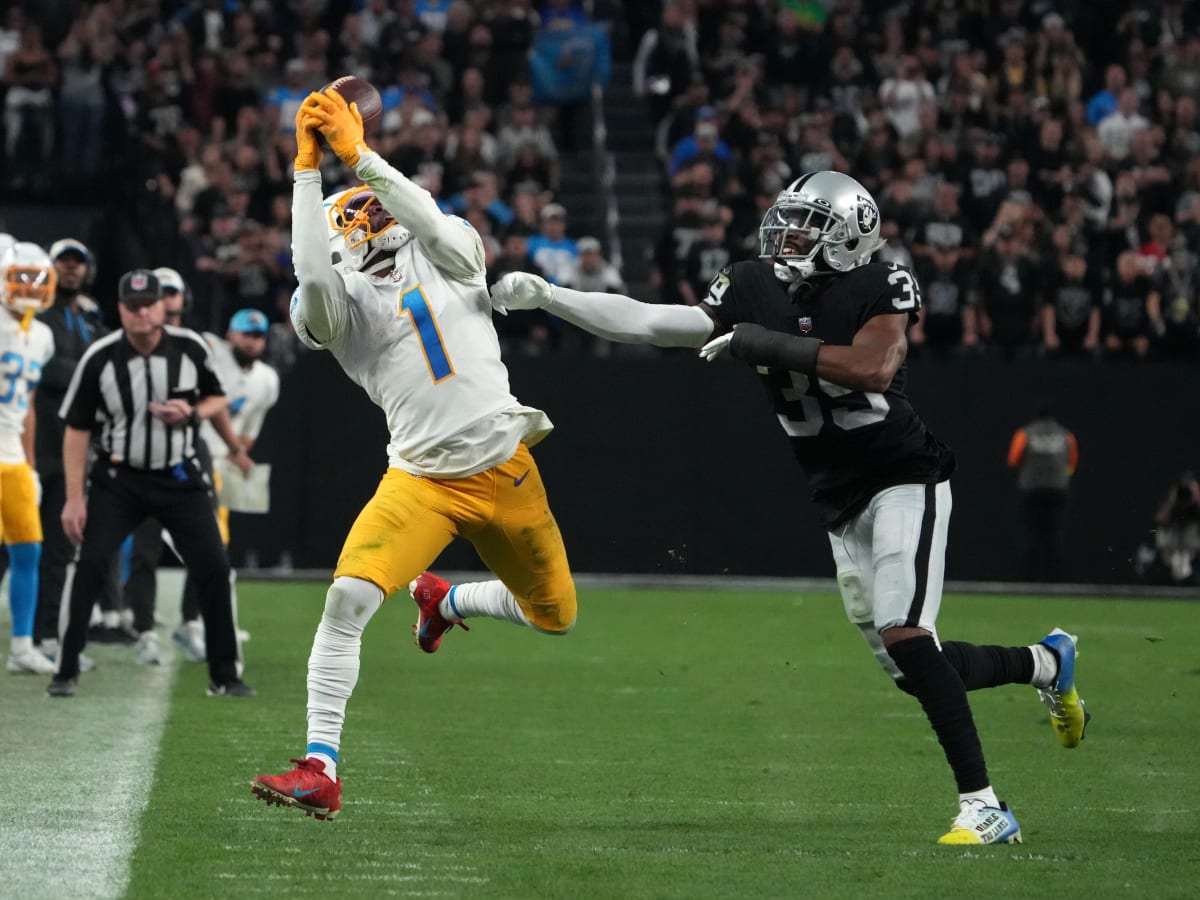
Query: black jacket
x,y
74,329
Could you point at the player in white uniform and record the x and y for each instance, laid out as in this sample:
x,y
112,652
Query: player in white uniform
x,y
253,388
25,345
404,308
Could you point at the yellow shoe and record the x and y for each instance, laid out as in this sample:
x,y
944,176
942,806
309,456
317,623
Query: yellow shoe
x,y
978,824
1068,714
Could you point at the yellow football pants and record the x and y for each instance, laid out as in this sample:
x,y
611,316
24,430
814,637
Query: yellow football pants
x,y
20,522
503,512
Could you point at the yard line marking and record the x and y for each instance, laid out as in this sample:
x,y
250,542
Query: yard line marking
x,y
79,772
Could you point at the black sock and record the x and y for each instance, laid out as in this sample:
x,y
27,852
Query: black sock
x,y
989,666
938,688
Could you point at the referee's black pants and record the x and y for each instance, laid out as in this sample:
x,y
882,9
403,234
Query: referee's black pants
x,y
119,499
57,553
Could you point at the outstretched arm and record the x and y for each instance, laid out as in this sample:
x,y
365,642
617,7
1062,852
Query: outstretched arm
x,y
450,242
613,317
319,304
869,363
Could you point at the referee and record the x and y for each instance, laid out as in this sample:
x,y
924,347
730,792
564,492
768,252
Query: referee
x,y
143,389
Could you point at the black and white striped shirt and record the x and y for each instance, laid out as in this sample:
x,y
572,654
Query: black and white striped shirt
x,y
113,385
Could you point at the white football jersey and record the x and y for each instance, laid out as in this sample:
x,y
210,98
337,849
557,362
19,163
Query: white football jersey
x,y
251,392
23,352
420,341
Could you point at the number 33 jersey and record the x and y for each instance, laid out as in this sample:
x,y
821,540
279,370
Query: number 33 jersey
x,y
423,347
23,352
851,444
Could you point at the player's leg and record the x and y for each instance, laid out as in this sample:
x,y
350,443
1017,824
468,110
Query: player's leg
x,y
520,542
851,545
22,528
908,555
400,531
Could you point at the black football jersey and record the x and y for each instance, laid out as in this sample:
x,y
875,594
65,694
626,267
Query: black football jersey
x,y
851,444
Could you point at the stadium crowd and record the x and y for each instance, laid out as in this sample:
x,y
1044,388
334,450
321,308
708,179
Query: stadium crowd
x,y
1037,163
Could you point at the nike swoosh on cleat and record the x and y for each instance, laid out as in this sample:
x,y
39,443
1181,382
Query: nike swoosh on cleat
x,y
517,482
296,792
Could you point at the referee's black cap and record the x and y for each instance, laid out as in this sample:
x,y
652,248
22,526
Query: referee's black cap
x,y
139,285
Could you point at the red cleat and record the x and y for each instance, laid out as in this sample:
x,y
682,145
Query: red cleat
x,y
428,591
306,787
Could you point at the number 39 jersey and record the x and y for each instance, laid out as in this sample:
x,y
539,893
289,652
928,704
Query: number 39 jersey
x,y
23,352
851,444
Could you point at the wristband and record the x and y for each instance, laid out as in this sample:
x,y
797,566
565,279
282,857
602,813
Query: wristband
x,y
763,347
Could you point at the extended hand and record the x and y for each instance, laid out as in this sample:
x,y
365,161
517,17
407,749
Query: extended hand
x,y
308,148
339,122
715,347
521,290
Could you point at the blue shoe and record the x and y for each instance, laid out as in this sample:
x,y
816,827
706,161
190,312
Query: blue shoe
x,y
1068,714
979,824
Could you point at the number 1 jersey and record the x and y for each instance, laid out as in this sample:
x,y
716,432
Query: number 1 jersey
x,y
851,444
423,347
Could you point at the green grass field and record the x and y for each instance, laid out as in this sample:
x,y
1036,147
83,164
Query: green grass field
x,y
677,744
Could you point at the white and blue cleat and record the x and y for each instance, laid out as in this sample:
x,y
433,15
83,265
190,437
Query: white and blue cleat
x,y
979,824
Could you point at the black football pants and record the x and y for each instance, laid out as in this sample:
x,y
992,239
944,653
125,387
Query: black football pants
x,y
119,500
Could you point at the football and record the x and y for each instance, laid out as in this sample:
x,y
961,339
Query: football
x,y
362,92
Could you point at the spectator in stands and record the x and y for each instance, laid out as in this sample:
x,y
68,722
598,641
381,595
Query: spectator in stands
x,y
1103,103
705,258
703,144
903,94
522,129
1045,455
1116,130
29,76
947,321
1071,314
554,252
1009,298
594,273
667,60
1131,308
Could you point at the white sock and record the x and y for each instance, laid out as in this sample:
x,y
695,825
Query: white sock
x,y
1045,666
482,598
21,645
330,764
333,663
110,618
986,796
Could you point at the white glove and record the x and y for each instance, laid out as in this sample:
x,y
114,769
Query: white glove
x,y
521,290
37,487
715,347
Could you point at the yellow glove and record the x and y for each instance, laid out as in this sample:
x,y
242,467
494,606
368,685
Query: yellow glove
x,y
340,123
308,148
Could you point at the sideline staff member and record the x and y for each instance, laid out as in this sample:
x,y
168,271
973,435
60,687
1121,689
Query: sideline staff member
x,y
145,387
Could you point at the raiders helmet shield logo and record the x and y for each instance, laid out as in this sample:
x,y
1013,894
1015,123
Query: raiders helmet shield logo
x,y
868,215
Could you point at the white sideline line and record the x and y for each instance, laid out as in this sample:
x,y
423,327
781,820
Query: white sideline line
x,y
78,773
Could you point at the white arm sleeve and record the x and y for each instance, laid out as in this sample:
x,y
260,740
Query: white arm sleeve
x,y
616,317
449,242
320,306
